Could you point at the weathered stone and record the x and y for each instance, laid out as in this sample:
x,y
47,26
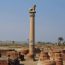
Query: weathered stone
x,y
3,61
63,54
44,56
24,51
30,56
21,56
46,62
58,58
12,54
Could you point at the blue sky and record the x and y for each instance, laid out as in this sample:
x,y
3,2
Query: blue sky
x,y
14,19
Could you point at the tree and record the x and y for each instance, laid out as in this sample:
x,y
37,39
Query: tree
x,y
60,40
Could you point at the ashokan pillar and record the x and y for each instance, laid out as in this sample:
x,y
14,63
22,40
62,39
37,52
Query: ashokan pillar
x,y
32,31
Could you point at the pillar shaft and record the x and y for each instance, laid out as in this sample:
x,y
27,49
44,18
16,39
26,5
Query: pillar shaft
x,y
32,34
32,30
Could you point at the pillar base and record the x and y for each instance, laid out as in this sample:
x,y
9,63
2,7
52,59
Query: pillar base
x,y
31,56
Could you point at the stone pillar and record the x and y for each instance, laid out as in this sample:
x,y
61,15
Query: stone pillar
x,y
32,31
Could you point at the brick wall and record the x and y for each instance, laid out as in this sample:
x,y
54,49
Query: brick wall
x,y
3,62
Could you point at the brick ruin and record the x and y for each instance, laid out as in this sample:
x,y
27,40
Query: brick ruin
x,y
55,57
